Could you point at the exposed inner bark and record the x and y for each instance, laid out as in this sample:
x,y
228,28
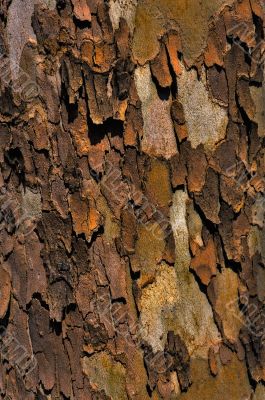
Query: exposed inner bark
x,y
132,199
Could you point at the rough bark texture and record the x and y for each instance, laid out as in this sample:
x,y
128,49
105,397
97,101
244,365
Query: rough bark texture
x,y
132,199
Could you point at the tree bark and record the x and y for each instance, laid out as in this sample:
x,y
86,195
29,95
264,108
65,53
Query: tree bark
x,y
132,199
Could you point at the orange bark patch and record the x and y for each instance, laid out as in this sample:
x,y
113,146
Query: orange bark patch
x,y
204,263
85,220
173,44
81,10
160,69
5,287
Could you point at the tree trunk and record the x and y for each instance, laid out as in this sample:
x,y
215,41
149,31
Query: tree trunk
x,y
132,199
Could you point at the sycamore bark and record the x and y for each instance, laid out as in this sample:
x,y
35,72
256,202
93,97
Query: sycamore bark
x,y
132,199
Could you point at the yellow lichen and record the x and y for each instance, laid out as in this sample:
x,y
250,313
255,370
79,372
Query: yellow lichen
x,y
106,374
